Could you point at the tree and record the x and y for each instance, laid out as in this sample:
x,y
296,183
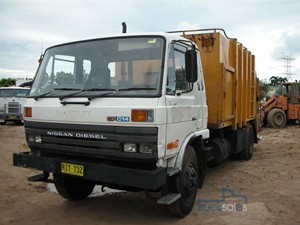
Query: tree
x,y
64,78
6,82
264,87
276,79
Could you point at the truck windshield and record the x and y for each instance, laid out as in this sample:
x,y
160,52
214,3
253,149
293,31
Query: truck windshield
x,y
95,67
278,90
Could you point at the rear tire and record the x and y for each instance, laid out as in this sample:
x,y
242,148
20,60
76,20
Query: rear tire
x,y
73,189
247,153
187,185
276,118
221,148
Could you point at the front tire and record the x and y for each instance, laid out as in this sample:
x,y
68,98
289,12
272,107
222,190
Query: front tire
x,y
276,118
187,185
73,189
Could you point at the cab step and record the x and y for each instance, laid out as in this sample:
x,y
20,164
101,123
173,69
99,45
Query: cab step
x,y
40,177
172,171
169,199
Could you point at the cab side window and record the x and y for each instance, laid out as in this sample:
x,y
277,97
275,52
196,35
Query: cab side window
x,y
176,70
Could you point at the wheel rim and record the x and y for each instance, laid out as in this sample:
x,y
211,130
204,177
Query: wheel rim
x,y
278,119
251,144
190,182
250,149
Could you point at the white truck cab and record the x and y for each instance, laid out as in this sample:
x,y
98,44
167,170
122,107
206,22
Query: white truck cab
x,y
134,82
12,100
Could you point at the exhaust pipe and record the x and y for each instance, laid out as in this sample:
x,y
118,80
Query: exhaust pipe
x,y
124,28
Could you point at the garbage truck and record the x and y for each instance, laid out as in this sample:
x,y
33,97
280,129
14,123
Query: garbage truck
x,y
141,112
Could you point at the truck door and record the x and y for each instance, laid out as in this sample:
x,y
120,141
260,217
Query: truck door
x,y
184,114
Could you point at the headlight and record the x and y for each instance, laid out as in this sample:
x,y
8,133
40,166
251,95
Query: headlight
x,y
34,138
129,147
145,148
38,139
30,138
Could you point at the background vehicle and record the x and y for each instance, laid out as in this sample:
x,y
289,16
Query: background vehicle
x,y
12,100
133,112
283,107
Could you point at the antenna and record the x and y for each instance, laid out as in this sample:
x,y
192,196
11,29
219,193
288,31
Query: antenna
x,y
42,49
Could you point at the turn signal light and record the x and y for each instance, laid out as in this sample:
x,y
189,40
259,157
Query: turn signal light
x,y
173,144
28,111
142,115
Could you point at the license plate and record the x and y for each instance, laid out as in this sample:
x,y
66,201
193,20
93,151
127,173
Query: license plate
x,y
12,117
73,169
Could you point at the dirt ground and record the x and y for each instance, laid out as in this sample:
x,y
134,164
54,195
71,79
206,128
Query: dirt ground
x,y
270,183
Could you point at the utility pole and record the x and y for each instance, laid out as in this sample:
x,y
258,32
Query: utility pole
x,y
287,66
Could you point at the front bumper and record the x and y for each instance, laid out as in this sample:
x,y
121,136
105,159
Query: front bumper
x,y
100,173
11,117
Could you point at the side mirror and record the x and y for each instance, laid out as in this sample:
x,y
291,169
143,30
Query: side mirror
x,y
41,59
191,69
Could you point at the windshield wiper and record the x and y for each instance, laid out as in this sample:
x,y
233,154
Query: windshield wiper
x,y
136,89
45,94
69,89
42,95
99,89
54,90
81,90
111,90
104,94
114,91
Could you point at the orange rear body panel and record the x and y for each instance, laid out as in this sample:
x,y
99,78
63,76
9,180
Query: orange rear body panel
x,y
230,80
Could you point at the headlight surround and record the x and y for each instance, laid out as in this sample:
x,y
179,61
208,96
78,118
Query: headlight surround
x,y
140,148
31,138
145,148
35,138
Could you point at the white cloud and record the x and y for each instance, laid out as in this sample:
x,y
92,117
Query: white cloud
x,y
185,25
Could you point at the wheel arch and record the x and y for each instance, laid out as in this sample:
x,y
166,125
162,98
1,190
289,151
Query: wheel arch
x,y
196,141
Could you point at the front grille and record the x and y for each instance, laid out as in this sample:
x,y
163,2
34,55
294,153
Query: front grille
x,y
90,140
14,107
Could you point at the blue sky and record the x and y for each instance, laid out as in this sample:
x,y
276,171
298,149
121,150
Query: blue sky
x,y
268,28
